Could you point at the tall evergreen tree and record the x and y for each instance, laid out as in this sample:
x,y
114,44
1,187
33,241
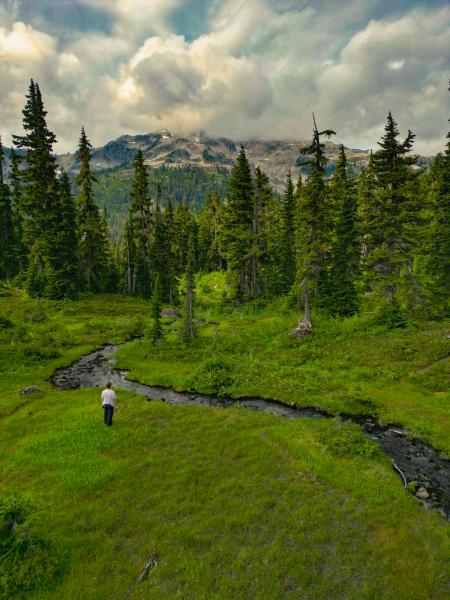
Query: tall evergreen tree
x,y
15,188
312,232
438,263
93,258
239,232
141,212
345,254
160,248
170,248
288,224
389,236
208,234
188,325
41,218
367,205
40,193
155,311
64,280
271,237
128,258
7,245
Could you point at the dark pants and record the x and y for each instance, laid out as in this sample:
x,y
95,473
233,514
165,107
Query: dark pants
x,y
108,414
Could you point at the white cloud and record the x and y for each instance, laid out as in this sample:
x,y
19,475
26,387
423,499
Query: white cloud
x,y
23,43
258,70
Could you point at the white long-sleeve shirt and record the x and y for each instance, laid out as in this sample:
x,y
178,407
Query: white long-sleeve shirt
x,y
109,397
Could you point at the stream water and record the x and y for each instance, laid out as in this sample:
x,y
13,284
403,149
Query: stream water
x,y
413,460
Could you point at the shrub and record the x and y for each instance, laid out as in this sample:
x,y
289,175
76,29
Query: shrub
x,y
347,440
26,561
39,314
5,323
213,376
392,316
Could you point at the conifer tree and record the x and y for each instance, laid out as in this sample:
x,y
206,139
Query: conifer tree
x,y
15,188
389,221
64,279
40,193
141,212
208,234
345,254
156,304
170,248
188,325
313,236
109,279
438,263
288,250
159,247
182,224
92,249
367,205
128,258
270,235
7,258
239,235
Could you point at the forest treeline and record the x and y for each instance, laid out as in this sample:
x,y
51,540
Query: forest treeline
x,y
383,233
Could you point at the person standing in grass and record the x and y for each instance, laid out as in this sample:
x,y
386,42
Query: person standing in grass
x,y
108,403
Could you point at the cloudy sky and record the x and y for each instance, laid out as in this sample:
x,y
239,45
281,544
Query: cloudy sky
x,y
239,68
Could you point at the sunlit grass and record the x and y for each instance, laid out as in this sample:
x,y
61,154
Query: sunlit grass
x,y
231,503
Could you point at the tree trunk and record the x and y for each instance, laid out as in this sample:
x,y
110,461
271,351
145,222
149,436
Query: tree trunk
x,y
304,326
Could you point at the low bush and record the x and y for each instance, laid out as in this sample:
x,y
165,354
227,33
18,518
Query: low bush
x,y
5,323
213,376
347,440
26,561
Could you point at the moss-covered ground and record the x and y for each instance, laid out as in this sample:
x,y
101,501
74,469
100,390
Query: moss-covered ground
x,y
229,503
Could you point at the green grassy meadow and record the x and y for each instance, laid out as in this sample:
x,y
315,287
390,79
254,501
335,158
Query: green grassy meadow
x,y
231,504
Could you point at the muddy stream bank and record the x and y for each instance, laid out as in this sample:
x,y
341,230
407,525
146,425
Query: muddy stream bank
x,y
414,461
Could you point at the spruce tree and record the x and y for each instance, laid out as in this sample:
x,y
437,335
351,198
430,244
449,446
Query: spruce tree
x,y
169,230
156,331
367,205
288,227
182,225
239,231
208,234
15,188
40,194
313,235
92,248
159,249
141,212
345,254
390,220
188,325
128,258
271,237
63,280
438,263
7,245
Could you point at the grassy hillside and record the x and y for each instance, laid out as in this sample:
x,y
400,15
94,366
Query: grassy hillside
x,y
348,366
229,503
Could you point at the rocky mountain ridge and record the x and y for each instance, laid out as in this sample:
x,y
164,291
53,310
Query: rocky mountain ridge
x,y
275,157
161,148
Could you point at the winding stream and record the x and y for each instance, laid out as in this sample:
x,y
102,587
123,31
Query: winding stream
x,y
413,460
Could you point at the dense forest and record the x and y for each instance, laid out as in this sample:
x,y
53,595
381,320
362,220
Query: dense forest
x,y
377,240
